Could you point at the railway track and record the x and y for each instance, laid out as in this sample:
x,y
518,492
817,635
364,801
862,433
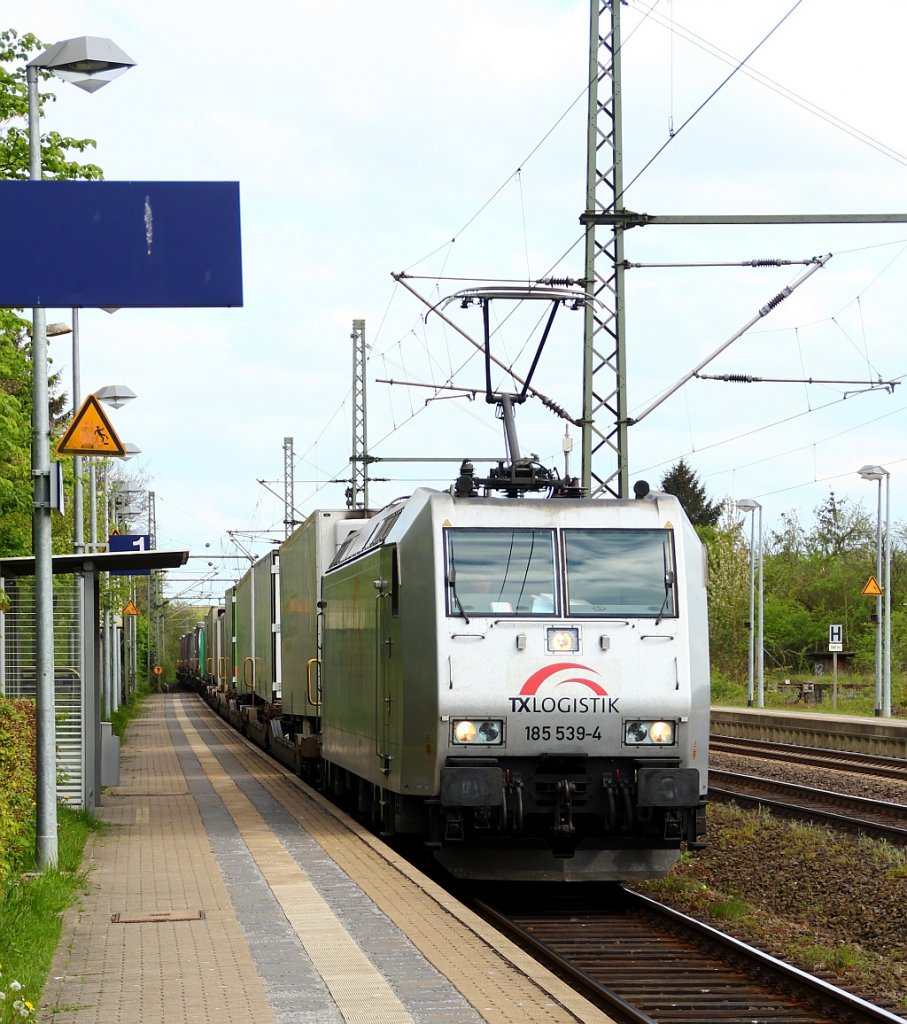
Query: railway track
x,y
647,964
819,757
878,818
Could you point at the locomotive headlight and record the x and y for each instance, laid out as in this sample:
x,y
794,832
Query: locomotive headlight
x,y
662,732
487,731
491,731
638,733
562,640
465,731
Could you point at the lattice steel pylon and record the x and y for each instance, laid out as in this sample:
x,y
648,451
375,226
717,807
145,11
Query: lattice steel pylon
x,y
604,357
289,520
357,495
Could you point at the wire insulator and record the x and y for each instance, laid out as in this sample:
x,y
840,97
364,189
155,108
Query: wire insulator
x,y
777,300
767,263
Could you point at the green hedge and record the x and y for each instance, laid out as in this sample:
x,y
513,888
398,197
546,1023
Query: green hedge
x,y
17,784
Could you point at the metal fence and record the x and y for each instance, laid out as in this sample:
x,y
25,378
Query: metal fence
x,y
18,675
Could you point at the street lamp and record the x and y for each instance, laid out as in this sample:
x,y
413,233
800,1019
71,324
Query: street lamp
x,y
751,505
883,656
78,523
115,395
89,63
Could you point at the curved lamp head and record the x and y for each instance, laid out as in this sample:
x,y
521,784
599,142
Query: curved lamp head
x,y
87,61
748,505
115,395
873,472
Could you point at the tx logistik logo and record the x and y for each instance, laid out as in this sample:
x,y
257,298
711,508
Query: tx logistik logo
x,y
529,699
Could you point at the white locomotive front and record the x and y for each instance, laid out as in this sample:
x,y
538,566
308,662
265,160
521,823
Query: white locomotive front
x,y
525,684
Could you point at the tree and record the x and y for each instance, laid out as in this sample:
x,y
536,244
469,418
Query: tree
x,y
15,435
729,577
839,529
15,369
683,483
15,50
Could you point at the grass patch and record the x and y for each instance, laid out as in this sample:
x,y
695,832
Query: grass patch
x,y
31,907
125,713
831,958
675,885
731,909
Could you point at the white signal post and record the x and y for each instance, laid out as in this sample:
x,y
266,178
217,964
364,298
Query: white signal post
x,y
883,587
835,644
756,648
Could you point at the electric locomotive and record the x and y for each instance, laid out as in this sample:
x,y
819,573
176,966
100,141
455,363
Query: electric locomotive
x,y
523,685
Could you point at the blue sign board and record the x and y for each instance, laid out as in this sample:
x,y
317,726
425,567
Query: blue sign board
x,y
120,243
129,542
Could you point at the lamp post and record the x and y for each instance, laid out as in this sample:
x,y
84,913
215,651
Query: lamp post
x,y
109,690
883,653
89,63
115,395
753,506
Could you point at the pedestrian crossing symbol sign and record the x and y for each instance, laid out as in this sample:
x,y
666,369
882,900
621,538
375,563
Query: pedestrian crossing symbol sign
x,y
91,433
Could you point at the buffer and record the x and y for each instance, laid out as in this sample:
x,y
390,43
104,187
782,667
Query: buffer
x,y
91,433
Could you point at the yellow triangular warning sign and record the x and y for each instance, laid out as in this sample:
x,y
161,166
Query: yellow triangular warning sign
x,y
91,433
130,609
872,588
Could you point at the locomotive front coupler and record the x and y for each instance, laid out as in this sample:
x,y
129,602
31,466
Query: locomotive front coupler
x,y
563,809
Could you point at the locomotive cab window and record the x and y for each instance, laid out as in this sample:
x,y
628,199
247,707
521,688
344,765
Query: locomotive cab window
x,y
621,573
500,572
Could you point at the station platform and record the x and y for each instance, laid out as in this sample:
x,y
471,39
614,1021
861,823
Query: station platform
x,y
224,889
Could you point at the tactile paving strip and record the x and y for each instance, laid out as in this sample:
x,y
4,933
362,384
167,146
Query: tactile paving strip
x,y
360,991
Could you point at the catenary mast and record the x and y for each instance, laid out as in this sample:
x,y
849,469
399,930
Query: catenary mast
x,y
604,359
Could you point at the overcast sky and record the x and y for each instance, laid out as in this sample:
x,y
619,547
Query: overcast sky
x,y
447,139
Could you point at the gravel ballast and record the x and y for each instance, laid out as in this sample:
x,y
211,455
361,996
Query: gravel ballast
x,y
831,903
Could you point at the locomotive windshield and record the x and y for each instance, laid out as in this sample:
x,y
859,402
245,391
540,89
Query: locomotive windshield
x,y
608,573
500,572
620,572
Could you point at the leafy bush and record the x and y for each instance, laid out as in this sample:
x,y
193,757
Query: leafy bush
x,y
725,691
17,794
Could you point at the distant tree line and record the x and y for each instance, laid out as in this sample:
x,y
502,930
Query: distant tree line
x,y
814,576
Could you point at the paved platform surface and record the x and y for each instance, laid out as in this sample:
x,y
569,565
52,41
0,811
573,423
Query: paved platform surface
x,y
225,890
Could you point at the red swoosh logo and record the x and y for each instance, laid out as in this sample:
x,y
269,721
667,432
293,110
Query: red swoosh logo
x,y
534,682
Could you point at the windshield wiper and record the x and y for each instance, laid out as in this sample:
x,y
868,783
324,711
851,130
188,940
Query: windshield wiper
x,y
452,583
669,585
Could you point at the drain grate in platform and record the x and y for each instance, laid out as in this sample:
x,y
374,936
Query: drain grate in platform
x,y
158,917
